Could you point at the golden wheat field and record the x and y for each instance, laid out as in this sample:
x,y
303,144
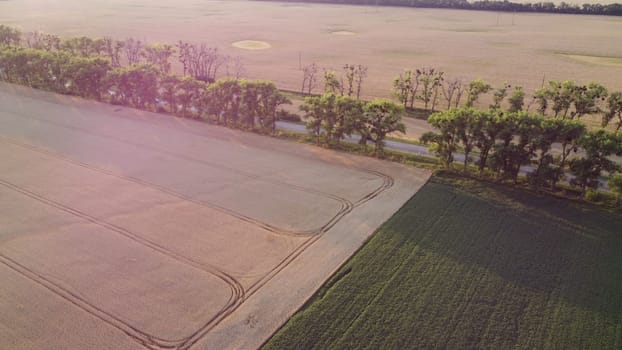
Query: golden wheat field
x,y
522,49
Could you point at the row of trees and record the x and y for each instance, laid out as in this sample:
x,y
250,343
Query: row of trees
x,y
231,102
199,61
331,117
430,86
349,83
507,141
566,99
489,5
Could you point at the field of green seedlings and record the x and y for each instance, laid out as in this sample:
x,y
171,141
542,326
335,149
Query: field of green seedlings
x,y
466,264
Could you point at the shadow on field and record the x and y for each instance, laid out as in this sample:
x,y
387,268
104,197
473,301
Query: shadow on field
x,y
555,248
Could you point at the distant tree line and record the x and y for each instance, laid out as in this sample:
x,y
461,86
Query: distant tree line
x,y
486,5
136,74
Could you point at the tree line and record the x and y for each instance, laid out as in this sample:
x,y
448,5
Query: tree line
x,y
330,117
614,9
429,88
135,74
506,141
552,141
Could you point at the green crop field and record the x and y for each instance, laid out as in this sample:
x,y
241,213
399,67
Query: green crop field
x,y
465,265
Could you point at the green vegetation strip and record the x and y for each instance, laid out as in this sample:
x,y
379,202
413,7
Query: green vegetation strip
x,y
466,264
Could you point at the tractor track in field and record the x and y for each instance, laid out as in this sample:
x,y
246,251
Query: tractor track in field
x,y
238,293
346,205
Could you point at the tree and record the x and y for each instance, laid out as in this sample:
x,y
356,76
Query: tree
x,y
42,41
452,91
586,99
516,146
167,92
489,126
405,87
467,125
250,102
86,76
223,100
309,78
331,83
133,49
446,141
315,113
431,80
455,126
614,110
499,95
474,90
348,84
347,118
354,76
188,92
360,73
260,100
548,132
135,85
615,185
159,56
570,132
270,101
9,36
200,61
235,68
384,117
83,46
516,100
598,146
568,100
112,50
333,115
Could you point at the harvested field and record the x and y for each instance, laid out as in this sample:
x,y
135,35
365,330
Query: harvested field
x,y
473,265
122,229
517,48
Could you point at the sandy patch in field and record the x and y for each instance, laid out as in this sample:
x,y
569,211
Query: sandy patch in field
x,y
251,45
597,60
146,229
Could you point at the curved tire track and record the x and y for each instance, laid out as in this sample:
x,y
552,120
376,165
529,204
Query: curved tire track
x,y
238,293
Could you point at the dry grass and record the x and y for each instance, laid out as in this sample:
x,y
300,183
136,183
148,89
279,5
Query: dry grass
x,y
498,47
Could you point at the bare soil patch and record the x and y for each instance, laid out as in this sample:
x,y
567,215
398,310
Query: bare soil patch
x,y
251,45
343,32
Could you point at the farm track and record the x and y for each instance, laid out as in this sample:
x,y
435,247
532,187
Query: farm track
x,y
238,294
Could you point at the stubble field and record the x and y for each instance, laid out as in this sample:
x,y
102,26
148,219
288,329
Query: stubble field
x,y
121,229
517,48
